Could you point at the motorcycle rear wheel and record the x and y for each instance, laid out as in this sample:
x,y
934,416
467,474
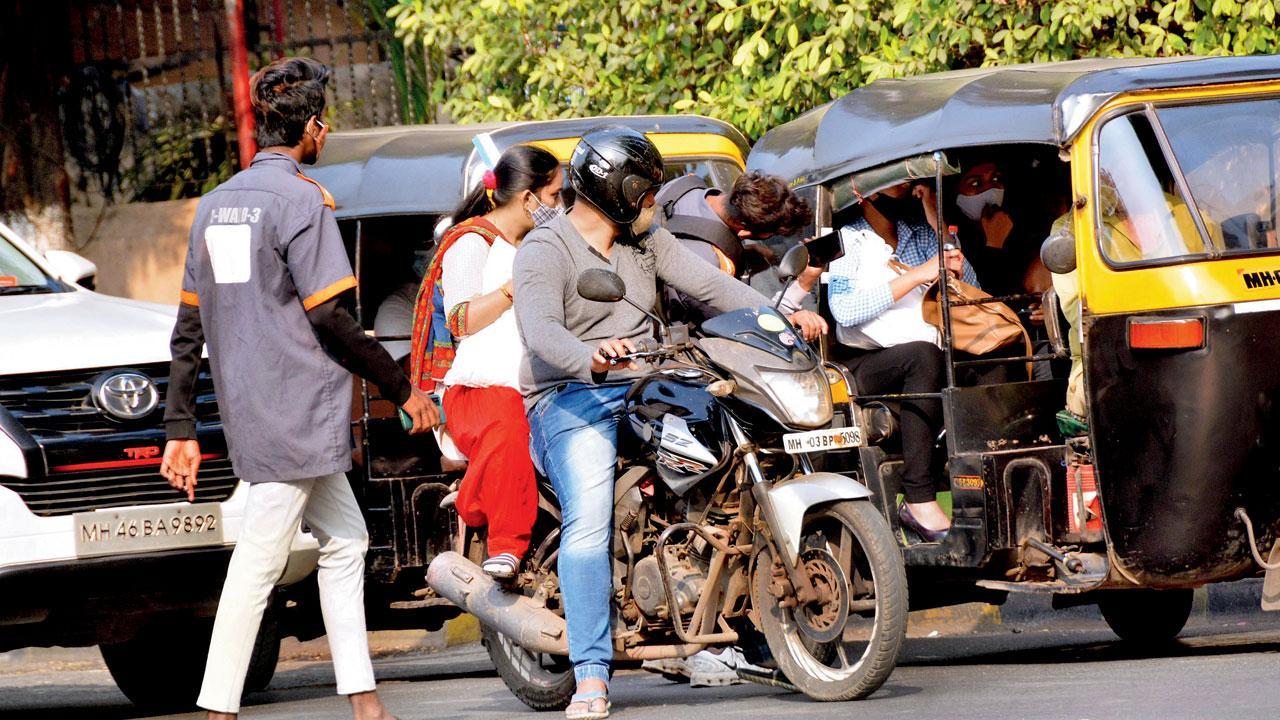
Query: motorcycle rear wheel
x,y
843,648
543,682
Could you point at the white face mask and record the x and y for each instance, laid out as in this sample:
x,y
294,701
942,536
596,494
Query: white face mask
x,y
973,205
644,220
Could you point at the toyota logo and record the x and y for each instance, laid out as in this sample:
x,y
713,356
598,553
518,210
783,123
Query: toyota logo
x,y
126,395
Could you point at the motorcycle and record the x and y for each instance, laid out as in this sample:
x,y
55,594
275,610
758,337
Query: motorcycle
x,y
723,528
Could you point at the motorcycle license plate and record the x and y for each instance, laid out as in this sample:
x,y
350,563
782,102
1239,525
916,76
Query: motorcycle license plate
x,y
109,532
822,440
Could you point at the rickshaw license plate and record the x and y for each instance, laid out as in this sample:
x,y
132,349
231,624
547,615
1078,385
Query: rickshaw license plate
x,y
109,532
820,440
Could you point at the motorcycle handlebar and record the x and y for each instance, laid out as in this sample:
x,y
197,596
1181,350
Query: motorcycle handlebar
x,y
646,349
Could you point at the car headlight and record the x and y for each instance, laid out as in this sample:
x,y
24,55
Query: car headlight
x,y
805,397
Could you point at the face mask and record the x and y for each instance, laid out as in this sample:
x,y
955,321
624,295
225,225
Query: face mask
x,y
973,205
544,214
905,208
643,221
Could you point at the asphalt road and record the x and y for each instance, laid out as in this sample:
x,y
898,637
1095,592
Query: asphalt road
x,y
1226,670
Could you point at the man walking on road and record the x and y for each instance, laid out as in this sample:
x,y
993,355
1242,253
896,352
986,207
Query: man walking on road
x,y
266,274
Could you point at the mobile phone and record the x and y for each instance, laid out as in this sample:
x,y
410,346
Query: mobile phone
x,y
825,248
406,422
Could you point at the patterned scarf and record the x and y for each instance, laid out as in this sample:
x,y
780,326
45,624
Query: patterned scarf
x,y
433,346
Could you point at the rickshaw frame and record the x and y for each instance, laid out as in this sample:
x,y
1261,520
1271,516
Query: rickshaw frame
x,y
1061,105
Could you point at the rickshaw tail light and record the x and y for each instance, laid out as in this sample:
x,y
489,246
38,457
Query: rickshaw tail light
x,y
1166,334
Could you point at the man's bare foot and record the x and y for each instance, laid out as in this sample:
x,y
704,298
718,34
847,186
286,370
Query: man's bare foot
x,y
930,515
368,706
221,716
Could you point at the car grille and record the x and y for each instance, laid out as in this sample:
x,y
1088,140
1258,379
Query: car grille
x,y
60,403
72,492
56,408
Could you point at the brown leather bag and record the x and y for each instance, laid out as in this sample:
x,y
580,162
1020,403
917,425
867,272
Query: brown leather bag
x,y
975,329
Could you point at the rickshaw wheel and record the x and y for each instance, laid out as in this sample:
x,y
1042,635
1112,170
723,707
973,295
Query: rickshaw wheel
x,y
1146,617
845,645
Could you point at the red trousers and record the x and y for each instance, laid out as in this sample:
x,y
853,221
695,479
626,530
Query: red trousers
x,y
499,490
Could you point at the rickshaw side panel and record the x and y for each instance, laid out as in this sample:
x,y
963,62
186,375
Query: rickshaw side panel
x,y
1182,438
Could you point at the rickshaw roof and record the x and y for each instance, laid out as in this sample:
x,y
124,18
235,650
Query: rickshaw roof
x,y
1048,103
422,169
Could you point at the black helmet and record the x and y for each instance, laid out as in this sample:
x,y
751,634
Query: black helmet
x,y
614,167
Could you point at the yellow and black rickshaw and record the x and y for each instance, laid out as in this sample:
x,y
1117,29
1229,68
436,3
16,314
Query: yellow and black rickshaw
x,y
1157,183
395,189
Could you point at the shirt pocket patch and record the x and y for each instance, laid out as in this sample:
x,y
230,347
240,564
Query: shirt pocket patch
x,y
229,252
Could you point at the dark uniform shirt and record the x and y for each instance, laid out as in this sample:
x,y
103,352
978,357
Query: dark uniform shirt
x,y
265,249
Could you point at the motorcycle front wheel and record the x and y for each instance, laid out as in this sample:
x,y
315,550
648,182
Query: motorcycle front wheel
x,y
844,645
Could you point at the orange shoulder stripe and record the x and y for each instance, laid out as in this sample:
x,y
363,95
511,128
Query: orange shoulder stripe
x,y
189,298
324,194
319,298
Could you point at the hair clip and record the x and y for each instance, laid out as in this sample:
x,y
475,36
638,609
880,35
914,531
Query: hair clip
x,y
490,183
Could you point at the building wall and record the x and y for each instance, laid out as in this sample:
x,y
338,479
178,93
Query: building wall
x,y
139,248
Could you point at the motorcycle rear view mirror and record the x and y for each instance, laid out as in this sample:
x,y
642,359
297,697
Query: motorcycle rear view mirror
x,y
793,263
601,285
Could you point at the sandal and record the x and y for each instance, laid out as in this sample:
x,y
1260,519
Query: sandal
x,y
592,705
502,566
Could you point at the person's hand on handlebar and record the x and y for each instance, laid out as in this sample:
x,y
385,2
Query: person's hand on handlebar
x,y
612,349
809,323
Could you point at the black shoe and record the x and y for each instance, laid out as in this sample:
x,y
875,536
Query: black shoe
x,y
909,522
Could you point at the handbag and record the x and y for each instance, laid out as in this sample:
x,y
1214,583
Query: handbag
x,y
975,329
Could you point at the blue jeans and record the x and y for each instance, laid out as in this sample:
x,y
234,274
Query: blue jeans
x,y
574,441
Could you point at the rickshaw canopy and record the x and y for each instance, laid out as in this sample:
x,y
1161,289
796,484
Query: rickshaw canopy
x,y
426,169
1044,103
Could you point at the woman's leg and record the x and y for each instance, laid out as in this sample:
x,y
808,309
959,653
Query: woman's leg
x,y
499,490
574,438
914,367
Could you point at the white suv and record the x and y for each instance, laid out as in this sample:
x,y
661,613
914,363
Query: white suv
x,y
95,547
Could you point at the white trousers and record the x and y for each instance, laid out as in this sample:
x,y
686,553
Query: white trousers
x,y
272,513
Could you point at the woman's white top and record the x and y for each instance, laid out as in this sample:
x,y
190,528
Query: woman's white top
x,y
865,265
490,357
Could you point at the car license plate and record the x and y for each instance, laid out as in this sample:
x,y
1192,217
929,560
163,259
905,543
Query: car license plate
x,y
109,532
822,440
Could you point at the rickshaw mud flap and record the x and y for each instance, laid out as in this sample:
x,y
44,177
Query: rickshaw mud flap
x,y
528,624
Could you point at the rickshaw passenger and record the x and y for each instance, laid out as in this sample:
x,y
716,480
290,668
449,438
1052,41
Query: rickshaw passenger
x,y
470,282
1147,230
877,305
1000,249
575,396
714,225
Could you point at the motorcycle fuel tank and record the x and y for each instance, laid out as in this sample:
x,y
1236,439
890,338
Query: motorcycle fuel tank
x,y
678,421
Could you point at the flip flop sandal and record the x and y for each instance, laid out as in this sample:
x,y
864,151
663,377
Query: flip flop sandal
x,y
502,566
593,705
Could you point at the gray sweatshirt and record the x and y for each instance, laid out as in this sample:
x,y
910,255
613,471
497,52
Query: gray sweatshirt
x,y
562,330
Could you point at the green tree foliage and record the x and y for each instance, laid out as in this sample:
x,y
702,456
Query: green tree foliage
x,y
757,63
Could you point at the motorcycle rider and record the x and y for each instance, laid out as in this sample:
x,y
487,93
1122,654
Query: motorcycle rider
x,y
573,393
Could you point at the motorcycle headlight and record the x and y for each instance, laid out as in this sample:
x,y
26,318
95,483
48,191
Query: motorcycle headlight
x,y
805,397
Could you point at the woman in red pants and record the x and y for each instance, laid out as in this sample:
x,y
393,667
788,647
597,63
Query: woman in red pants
x,y
465,338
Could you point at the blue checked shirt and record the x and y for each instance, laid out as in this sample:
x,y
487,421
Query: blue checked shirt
x,y
851,305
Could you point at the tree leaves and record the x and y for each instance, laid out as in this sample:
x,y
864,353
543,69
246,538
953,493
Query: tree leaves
x,y
756,63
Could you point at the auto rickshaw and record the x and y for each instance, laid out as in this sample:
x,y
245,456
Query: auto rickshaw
x,y
1167,172
394,189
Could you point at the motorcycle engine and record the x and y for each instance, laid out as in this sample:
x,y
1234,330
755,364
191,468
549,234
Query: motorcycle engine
x,y
687,579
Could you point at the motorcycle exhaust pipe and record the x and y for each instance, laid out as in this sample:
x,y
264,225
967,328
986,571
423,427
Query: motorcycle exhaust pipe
x,y
527,624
